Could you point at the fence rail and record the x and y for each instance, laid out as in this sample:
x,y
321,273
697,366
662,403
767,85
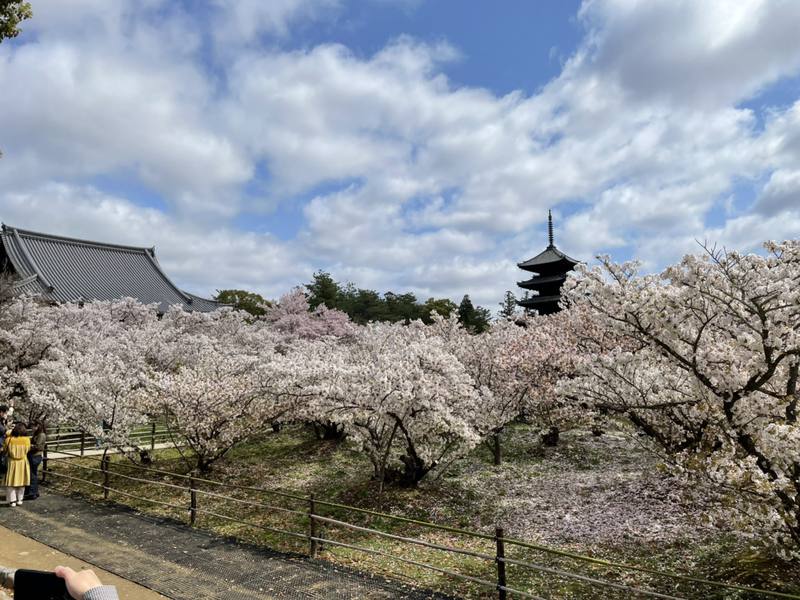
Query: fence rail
x,y
308,508
72,439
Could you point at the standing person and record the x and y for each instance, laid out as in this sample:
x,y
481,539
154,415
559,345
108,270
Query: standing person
x,y
19,471
3,416
35,456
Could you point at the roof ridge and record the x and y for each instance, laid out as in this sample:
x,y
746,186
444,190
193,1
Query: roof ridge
x,y
31,262
152,258
73,240
93,269
549,250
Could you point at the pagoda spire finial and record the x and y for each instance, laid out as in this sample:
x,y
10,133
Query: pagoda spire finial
x,y
550,227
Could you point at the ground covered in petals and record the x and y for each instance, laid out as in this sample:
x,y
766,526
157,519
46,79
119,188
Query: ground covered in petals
x,y
605,496
587,490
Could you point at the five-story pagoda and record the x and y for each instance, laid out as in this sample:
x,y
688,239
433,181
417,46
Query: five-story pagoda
x,y
549,269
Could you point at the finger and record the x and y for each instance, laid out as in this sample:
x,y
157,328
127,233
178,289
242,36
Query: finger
x,y
63,572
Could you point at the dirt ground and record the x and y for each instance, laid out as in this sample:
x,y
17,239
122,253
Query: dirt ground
x,y
18,552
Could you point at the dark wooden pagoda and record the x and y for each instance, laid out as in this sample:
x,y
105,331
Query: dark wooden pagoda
x,y
549,269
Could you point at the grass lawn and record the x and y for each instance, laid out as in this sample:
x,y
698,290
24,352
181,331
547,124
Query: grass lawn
x,y
605,497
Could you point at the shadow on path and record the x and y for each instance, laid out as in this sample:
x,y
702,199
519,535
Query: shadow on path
x,y
184,563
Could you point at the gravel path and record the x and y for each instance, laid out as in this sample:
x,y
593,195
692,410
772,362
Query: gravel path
x,y
184,563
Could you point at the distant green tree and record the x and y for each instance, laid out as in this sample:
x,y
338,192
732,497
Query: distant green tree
x,y
442,306
508,307
363,305
402,307
526,296
366,306
482,319
466,311
324,290
250,302
474,319
12,13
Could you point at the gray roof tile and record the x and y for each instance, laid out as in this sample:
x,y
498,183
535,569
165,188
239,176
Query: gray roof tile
x,y
549,255
66,269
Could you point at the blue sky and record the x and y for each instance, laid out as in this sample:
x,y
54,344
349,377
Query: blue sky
x,y
520,47
402,144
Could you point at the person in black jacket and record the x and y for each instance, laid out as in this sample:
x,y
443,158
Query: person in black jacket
x,y
35,457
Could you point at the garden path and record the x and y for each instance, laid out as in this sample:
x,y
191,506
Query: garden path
x,y
92,451
20,552
184,563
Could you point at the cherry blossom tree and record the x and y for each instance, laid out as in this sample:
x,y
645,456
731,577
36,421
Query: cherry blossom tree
x,y
708,368
401,395
95,371
554,348
296,322
26,338
292,317
218,379
182,334
496,362
218,400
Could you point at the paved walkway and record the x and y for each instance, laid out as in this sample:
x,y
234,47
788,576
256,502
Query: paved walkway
x,y
54,454
20,552
184,563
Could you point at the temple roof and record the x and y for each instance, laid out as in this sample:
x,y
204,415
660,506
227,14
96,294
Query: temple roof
x,y
541,281
538,300
67,270
551,255
548,256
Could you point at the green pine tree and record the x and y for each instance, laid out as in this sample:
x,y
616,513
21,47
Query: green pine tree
x,y
508,307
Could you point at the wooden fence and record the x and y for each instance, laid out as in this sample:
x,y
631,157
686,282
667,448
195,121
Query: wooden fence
x,y
71,439
314,525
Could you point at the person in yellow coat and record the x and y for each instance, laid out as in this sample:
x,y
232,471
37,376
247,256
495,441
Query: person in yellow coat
x,y
16,447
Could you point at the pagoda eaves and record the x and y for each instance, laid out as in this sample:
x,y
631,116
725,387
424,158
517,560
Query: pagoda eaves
x,y
550,268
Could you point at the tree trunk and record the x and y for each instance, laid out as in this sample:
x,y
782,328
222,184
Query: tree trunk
x,y
551,437
329,431
204,465
412,472
498,452
144,457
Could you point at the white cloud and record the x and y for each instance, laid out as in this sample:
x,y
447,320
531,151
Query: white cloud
x,y
712,53
242,21
81,108
201,260
417,183
780,194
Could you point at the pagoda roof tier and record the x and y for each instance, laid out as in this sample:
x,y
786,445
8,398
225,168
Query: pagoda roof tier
x,y
535,301
535,282
65,269
549,260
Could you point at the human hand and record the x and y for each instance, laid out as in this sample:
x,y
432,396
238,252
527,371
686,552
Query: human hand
x,y
78,583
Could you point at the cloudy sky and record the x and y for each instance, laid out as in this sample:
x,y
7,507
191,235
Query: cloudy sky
x,y
401,144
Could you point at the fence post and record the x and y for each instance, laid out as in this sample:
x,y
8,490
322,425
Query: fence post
x,y
44,464
104,467
312,527
192,501
501,564
58,436
83,442
153,437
